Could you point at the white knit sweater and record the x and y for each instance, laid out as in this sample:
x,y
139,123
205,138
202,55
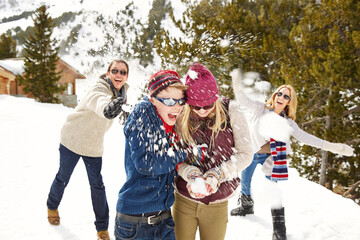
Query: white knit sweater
x,y
84,129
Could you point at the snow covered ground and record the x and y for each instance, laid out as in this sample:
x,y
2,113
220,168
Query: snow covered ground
x,y
29,139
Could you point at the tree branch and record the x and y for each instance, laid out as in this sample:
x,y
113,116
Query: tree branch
x,y
317,119
352,190
355,109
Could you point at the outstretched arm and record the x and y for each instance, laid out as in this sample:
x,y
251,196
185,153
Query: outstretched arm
x,y
308,139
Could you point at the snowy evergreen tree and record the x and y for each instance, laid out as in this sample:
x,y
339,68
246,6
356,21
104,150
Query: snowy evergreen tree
x,y
327,42
7,46
41,54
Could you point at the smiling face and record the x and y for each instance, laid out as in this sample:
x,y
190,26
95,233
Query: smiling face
x,y
204,112
168,113
280,102
117,79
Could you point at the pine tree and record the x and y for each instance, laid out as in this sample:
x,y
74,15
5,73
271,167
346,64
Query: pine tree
x,y
327,41
144,43
7,46
40,78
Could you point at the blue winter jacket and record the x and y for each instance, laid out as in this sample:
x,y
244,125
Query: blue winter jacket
x,y
150,163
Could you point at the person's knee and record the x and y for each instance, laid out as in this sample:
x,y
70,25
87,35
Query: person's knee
x,y
97,184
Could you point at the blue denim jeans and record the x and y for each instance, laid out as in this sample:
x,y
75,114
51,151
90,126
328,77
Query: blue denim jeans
x,y
142,231
246,175
68,161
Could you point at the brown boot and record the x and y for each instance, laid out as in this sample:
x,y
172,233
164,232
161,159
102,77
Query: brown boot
x,y
103,235
53,217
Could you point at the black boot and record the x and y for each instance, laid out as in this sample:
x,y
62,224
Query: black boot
x,y
246,206
279,229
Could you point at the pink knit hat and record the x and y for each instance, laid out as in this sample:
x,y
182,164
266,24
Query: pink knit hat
x,y
203,89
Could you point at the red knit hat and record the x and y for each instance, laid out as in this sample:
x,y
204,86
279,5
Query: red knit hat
x,y
161,80
203,89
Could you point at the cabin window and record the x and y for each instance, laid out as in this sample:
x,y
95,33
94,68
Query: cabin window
x,y
70,89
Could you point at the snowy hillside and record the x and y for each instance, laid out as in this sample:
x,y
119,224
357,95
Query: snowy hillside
x,y
92,34
29,160
105,30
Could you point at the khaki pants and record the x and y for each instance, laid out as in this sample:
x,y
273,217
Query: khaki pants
x,y
212,219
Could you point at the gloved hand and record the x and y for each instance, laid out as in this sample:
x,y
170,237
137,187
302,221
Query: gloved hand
x,y
190,174
338,148
213,178
113,108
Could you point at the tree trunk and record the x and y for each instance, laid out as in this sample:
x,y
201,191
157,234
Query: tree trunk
x,y
325,156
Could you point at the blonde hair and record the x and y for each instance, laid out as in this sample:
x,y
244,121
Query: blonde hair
x,y
290,109
187,126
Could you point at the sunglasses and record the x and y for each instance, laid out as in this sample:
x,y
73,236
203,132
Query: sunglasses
x,y
286,97
115,71
171,101
205,107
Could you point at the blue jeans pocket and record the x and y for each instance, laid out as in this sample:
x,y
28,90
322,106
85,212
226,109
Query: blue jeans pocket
x,y
125,230
170,223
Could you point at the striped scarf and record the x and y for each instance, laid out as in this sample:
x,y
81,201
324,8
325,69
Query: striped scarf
x,y
278,153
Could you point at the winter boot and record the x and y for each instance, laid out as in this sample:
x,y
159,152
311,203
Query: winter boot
x,y
246,206
53,217
279,229
103,235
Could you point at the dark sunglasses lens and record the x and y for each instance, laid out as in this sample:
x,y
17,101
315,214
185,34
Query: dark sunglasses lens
x,y
286,97
122,72
195,107
205,108
182,102
209,106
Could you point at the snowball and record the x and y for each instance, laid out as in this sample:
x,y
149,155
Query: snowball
x,y
198,186
192,74
262,86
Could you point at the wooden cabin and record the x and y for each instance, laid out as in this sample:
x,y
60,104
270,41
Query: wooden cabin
x,y
11,67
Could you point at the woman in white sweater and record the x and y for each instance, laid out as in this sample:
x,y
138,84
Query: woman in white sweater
x,y
82,136
270,151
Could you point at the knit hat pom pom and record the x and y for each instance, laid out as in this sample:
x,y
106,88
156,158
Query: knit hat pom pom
x,y
193,75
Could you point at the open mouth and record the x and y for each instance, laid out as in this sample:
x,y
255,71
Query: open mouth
x,y
279,102
172,116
